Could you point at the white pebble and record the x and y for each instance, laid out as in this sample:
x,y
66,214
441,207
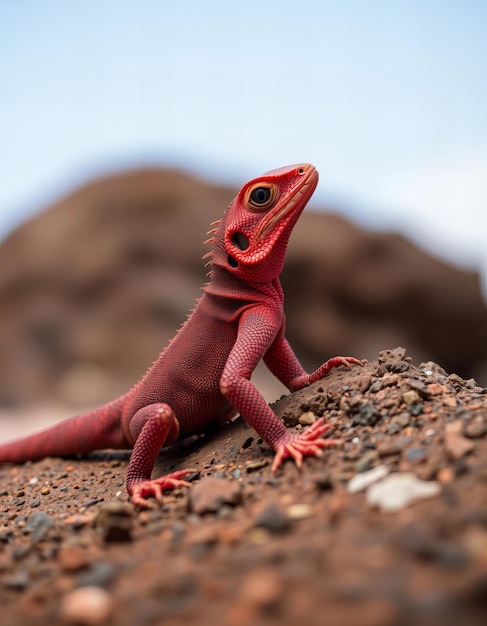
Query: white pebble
x,y
399,490
308,418
87,606
361,481
297,512
356,440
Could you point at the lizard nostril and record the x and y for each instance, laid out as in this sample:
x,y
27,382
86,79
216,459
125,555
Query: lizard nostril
x,y
231,261
240,241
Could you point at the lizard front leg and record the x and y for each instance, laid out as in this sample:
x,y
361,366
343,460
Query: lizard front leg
x,y
257,331
284,364
152,427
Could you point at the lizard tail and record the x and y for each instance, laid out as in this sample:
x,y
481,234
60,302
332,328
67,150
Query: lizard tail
x,y
94,430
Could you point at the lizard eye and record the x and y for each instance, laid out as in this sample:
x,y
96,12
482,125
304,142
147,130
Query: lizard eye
x,y
261,197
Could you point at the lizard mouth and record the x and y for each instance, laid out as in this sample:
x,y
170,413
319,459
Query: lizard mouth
x,y
302,193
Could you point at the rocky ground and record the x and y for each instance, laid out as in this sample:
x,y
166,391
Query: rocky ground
x,y
389,528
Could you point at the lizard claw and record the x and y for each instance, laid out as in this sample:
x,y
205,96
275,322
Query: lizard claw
x,y
307,443
140,492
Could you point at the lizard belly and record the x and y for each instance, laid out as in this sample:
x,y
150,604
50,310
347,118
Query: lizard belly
x,y
187,374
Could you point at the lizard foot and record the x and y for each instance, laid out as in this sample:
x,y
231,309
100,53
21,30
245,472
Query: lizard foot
x,y
146,488
307,443
336,361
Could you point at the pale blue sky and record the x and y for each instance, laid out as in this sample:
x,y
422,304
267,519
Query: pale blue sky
x,y
388,99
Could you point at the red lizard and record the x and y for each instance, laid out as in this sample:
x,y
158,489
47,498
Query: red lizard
x,y
203,376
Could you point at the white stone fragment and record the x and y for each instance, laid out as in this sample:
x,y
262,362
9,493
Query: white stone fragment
x,y
308,418
87,606
361,481
298,512
399,490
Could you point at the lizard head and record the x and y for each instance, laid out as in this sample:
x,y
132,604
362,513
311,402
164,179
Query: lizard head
x,y
251,238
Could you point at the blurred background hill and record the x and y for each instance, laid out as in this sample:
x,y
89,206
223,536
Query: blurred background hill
x,y
126,127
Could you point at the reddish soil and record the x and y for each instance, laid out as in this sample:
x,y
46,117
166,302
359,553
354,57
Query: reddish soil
x,y
241,546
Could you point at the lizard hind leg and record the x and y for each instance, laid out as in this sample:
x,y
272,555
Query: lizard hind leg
x,y
152,427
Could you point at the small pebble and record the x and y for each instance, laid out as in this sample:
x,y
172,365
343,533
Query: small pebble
x,y
446,475
210,494
115,520
415,454
393,428
435,389
375,386
455,378
87,606
367,460
256,465
298,512
6,535
100,574
273,519
21,551
79,521
261,589
72,558
17,582
308,418
388,448
247,443
205,536
38,526
410,397
475,429
450,401
455,443
260,535
402,420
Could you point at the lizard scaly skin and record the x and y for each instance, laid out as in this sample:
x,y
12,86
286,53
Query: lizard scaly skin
x,y
203,376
